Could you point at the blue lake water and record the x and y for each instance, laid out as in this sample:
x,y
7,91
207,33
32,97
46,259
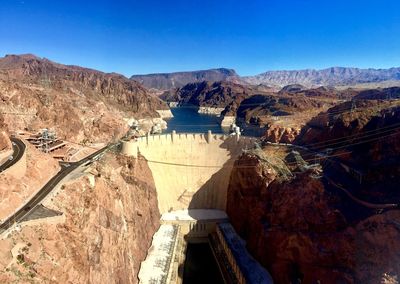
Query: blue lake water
x,y
186,119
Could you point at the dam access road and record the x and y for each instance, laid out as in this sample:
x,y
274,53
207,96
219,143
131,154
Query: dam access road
x,y
18,151
66,169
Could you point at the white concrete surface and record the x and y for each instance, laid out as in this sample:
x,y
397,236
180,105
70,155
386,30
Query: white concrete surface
x,y
191,171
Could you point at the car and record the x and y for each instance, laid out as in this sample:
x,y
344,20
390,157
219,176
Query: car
x,y
10,158
13,143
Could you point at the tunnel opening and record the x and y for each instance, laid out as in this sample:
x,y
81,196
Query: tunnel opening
x,y
201,265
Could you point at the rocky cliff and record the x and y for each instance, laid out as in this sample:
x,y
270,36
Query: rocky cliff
x,y
80,103
168,81
295,227
34,170
5,143
110,216
334,223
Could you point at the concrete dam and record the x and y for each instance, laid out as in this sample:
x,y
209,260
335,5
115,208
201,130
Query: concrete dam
x,y
191,171
195,242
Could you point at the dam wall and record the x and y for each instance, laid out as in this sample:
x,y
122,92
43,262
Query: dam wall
x,y
191,171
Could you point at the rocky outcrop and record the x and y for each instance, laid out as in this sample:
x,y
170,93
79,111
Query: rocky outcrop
x,y
327,224
24,179
5,143
110,217
277,134
296,228
168,81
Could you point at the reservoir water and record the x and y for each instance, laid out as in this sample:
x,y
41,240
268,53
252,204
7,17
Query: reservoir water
x,y
187,119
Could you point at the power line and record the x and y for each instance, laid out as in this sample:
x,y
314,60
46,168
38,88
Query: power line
x,y
362,202
348,137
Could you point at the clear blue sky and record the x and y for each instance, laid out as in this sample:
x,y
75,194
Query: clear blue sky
x,y
134,37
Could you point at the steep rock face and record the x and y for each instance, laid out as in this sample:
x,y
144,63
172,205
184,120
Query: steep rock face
x,y
364,137
325,77
110,219
277,134
168,81
297,231
78,102
111,87
15,192
5,143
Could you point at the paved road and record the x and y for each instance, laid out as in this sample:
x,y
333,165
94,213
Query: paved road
x,y
49,186
19,149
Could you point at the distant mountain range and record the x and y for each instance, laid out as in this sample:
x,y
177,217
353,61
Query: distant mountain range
x,y
165,81
334,76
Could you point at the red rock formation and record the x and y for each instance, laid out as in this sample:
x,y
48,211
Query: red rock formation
x,y
277,134
308,228
295,229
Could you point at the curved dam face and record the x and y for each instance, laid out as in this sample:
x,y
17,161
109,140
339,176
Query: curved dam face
x,y
191,171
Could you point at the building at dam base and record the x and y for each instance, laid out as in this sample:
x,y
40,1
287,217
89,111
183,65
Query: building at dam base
x,y
191,171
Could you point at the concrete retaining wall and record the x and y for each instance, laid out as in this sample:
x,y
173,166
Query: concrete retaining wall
x,y
191,171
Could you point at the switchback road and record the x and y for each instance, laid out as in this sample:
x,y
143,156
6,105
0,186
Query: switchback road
x,y
19,149
49,186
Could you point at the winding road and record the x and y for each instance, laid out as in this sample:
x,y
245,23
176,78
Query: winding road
x,y
19,149
66,169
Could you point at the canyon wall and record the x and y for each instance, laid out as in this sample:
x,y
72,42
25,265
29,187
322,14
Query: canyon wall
x,y
110,216
325,223
297,230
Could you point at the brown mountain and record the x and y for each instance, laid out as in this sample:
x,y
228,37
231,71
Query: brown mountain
x,y
79,102
166,81
210,94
